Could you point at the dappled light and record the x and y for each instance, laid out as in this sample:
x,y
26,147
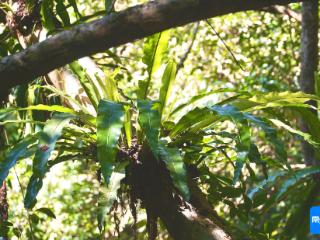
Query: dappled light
x,y
165,119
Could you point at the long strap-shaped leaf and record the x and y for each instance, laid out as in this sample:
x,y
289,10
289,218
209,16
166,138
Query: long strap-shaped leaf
x,y
86,83
154,49
201,96
87,118
168,77
271,134
108,196
177,169
291,178
149,120
20,150
47,141
200,118
109,124
243,142
111,119
245,103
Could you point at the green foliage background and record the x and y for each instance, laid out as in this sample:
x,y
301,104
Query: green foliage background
x,y
252,174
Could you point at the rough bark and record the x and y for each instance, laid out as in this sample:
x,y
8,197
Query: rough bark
x,y
3,202
309,64
114,30
3,211
193,220
2,14
4,206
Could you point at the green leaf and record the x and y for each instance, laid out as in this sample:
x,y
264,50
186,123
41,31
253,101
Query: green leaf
x,y
254,154
149,121
47,211
231,192
291,178
34,218
64,158
193,117
20,150
280,99
62,12
47,14
62,94
270,180
298,220
109,5
177,169
41,107
109,124
87,118
249,102
307,137
17,232
317,84
243,144
86,83
56,108
109,195
52,108
47,141
311,119
154,51
258,101
200,118
21,98
75,7
201,96
111,89
168,77
127,126
295,178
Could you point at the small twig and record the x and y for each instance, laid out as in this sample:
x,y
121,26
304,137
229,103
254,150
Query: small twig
x,y
226,46
185,55
229,159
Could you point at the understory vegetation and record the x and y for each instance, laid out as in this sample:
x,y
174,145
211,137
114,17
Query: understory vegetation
x,y
195,125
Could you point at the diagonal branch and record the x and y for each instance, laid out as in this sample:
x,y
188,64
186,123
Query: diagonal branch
x,y
284,11
187,52
113,30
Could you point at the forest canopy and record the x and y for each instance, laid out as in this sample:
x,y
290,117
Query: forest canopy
x,y
165,119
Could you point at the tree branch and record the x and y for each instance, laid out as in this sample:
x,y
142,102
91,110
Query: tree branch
x,y
284,11
113,30
194,220
309,67
187,52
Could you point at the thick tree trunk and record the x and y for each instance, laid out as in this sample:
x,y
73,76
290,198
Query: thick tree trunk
x,y
3,211
193,220
309,64
4,206
3,202
114,30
